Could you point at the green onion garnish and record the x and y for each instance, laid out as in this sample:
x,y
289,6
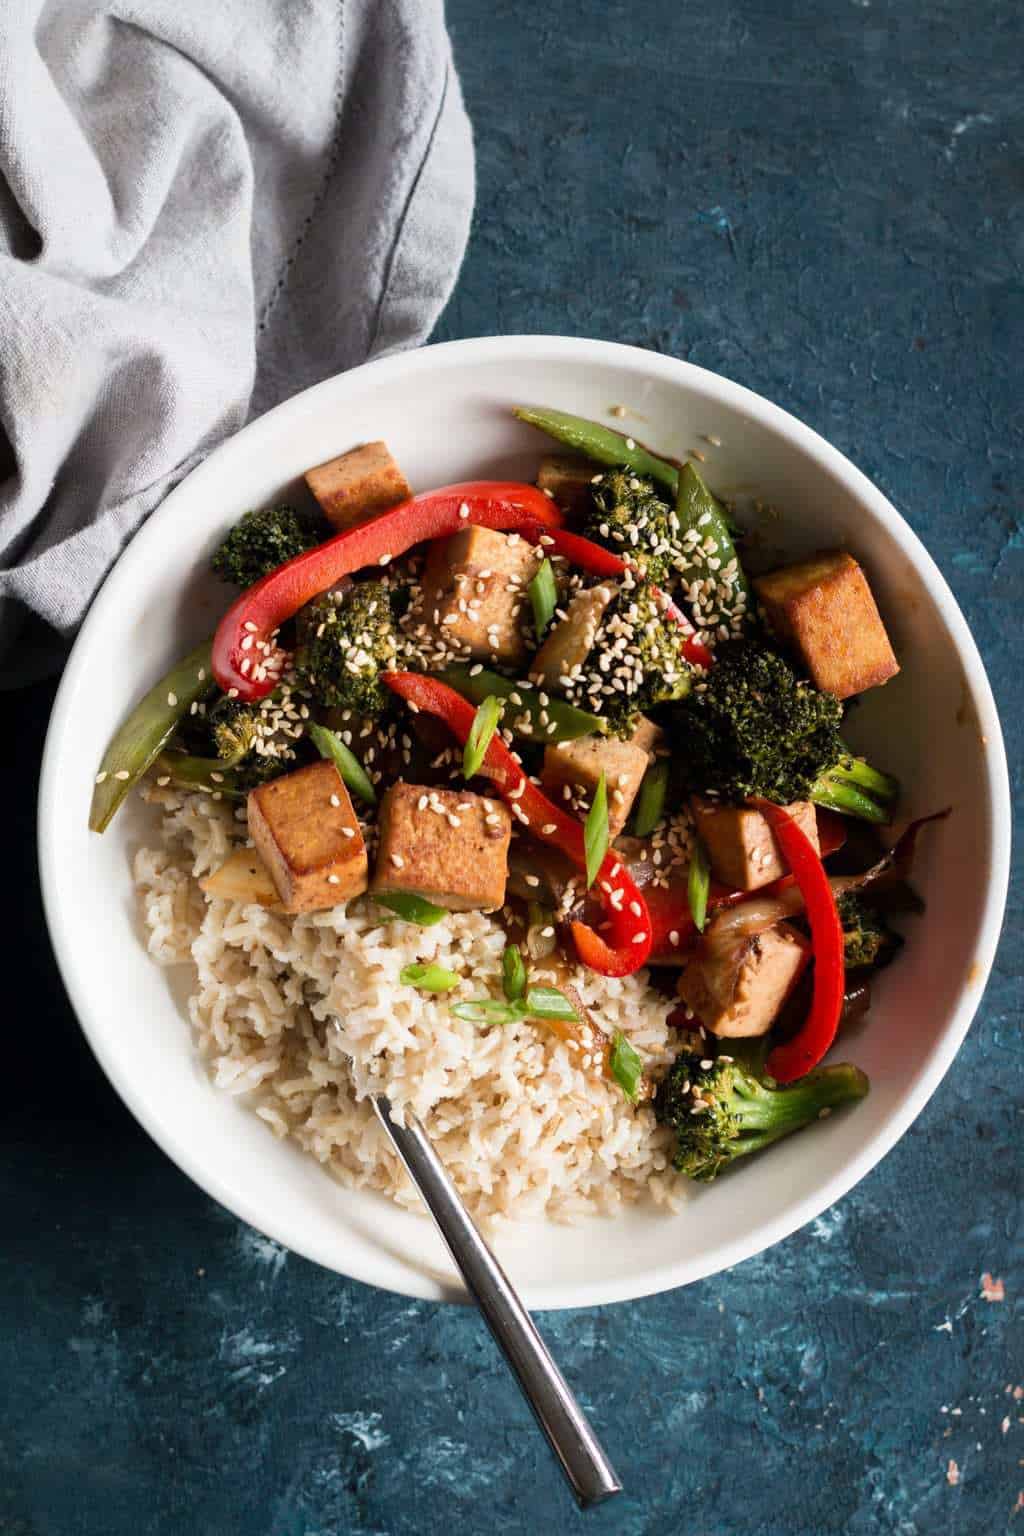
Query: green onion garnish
x,y
429,978
595,831
513,973
331,746
698,884
412,909
549,1003
488,1010
627,1067
485,723
543,590
650,803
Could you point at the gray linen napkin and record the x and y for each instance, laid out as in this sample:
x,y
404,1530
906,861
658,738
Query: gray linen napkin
x,y
205,205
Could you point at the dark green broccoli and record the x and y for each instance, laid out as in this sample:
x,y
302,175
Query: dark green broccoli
x,y
629,517
636,661
261,541
869,941
236,745
348,639
720,1110
754,727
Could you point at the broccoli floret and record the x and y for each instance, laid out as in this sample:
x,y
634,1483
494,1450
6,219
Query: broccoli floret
x,y
723,1110
636,661
236,745
348,640
755,728
869,941
628,516
261,541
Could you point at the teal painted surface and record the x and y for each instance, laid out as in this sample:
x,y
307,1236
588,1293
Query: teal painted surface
x,y
825,203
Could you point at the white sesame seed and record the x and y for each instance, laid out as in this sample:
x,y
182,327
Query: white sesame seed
x,y
348,832
630,443
532,880
335,801
164,778
101,776
172,699
464,510
639,938
398,861
333,879
122,774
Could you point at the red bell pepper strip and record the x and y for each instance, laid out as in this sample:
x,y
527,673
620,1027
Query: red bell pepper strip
x,y
598,561
621,901
797,1056
243,644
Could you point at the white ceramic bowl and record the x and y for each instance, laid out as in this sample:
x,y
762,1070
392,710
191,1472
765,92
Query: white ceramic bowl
x,y
444,412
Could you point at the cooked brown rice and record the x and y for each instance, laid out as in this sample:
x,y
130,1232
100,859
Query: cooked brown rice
x,y
305,1015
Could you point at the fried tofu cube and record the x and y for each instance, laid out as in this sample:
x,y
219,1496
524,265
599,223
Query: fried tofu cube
x,y
474,587
578,766
768,974
568,643
567,480
306,832
647,736
740,843
446,845
825,609
358,485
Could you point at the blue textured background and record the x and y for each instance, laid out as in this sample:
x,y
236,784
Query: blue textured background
x,y
824,202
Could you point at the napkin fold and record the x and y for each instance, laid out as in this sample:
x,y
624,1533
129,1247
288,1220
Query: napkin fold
x,y
203,209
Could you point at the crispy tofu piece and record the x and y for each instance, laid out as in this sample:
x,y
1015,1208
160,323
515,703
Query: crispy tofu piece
x,y
741,845
767,976
569,642
825,610
306,832
488,573
579,765
242,877
446,845
646,735
567,480
358,485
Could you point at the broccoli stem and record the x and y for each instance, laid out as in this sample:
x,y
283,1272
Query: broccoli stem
x,y
767,1114
853,788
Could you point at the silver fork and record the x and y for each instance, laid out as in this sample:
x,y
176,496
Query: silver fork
x,y
579,1452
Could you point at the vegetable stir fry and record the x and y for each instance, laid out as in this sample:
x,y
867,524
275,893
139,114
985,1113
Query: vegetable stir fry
x,y
571,705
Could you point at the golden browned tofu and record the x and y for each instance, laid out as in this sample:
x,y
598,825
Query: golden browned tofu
x,y
474,587
825,610
578,766
358,485
568,643
446,845
567,480
741,845
768,974
646,735
306,832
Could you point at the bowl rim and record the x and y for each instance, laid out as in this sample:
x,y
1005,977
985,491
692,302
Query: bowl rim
x,y
712,387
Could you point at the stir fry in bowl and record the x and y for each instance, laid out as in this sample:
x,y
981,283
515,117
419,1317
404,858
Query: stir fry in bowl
x,y
530,805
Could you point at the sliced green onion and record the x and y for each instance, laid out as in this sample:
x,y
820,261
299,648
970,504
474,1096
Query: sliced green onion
x,y
595,831
543,590
650,805
627,1066
330,745
485,723
411,908
147,730
513,973
699,884
428,978
549,1003
488,1010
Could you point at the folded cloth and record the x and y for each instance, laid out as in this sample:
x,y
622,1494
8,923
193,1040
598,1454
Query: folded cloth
x,y
203,208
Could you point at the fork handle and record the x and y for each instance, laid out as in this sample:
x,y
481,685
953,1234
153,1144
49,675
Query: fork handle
x,y
569,1434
